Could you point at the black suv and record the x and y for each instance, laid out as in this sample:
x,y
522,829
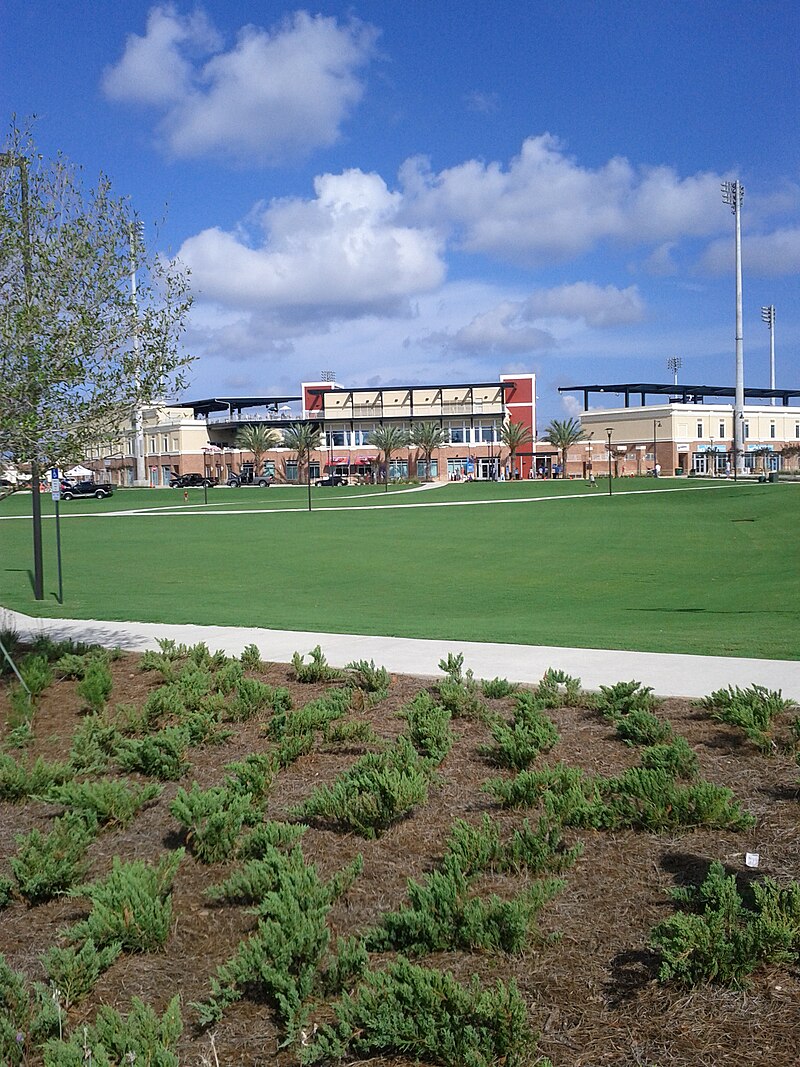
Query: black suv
x,y
186,481
86,489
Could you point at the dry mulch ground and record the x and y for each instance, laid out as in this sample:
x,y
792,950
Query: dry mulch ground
x,y
591,991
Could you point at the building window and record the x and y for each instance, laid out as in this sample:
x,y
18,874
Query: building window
x,y
456,435
722,429
797,429
422,469
746,430
398,469
152,445
699,429
313,471
337,438
291,470
165,444
772,429
484,434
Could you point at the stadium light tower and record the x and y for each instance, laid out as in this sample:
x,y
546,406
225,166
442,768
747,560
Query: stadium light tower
x,y
768,316
674,363
733,195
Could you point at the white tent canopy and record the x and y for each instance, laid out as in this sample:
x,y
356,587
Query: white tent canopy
x,y
78,472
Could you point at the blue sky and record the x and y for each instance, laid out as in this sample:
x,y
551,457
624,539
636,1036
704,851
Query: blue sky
x,y
442,192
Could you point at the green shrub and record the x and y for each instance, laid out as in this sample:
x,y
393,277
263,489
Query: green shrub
x,y
252,696
74,972
531,731
143,1037
19,781
282,960
26,1009
317,669
48,864
620,699
641,727
251,775
133,905
36,673
202,725
95,687
377,791
292,748
341,732
228,677
719,937
12,642
371,679
751,710
479,848
268,836
442,916
193,684
497,688
676,757
429,729
557,689
112,802
162,705
6,891
315,715
251,658
94,742
160,755
213,819
427,1015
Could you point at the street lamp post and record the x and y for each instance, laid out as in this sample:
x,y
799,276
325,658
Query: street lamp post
x,y
11,159
733,195
609,432
768,316
656,423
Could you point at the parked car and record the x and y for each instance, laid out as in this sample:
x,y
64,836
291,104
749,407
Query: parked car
x,y
187,481
236,481
94,489
332,479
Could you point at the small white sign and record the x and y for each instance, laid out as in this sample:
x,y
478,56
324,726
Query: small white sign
x,y
751,859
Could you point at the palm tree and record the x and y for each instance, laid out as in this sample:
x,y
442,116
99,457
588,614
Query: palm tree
x,y
388,440
303,438
514,435
563,434
259,440
427,437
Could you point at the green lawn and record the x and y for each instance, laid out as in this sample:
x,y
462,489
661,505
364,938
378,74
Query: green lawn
x,y
710,571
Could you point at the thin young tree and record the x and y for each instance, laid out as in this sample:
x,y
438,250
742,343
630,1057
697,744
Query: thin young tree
x,y
259,440
388,440
514,435
78,354
562,434
427,437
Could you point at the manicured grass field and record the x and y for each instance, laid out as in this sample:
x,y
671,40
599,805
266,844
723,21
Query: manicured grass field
x,y
706,568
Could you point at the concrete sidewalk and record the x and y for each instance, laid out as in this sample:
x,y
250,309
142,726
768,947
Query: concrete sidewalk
x,y
669,675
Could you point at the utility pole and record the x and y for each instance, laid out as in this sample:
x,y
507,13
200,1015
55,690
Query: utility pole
x,y
733,195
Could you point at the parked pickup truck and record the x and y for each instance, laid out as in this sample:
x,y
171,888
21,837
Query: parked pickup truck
x,y
236,481
80,489
186,481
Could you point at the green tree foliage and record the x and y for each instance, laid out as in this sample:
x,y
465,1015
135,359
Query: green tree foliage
x,y
562,434
752,710
427,437
515,435
388,440
77,356
259,440
303,438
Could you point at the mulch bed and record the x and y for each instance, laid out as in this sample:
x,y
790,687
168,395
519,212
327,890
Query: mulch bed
x,y
591,987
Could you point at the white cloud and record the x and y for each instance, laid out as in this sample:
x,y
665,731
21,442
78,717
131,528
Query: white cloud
x,y
766,254
598,306
501,330
545,207
340,255
274,94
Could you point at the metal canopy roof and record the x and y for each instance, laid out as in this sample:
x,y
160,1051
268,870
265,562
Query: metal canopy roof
x,y
233,403
682,394
400,388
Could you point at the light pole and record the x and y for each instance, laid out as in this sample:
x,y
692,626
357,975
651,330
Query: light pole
x,y
733,195
768,316
674,363
135,235
609,432
11,159
656,423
